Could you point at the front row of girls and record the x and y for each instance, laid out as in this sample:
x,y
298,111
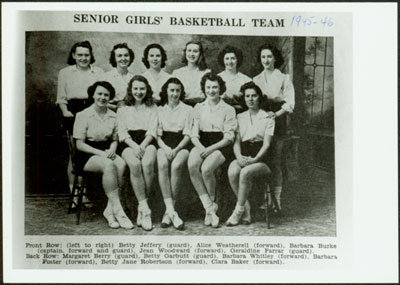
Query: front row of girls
x,y
140,126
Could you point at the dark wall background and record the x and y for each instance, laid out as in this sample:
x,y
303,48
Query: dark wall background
x,y
47,52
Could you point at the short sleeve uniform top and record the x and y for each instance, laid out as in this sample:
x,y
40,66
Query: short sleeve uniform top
x,y
178,119
233,83
253,129
191,81
277,87
132,118
221,119
73,83
156,82
119,82
90,126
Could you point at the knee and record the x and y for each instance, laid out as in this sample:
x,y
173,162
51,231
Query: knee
x,y
162,166
148,166
233,171
135,167
193,164
176,166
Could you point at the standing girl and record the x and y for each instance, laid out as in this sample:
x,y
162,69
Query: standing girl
x,y
154,58
72,86
190,75
213,131
121,58
137,130
174,129
231,59
280,93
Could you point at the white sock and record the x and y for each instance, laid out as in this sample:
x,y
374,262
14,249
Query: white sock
x,y
169,205
143,206
206,201
113,198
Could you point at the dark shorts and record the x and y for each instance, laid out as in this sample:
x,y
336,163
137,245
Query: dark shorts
x,y
281,122
172,139
250,148
138,137
74,106
81,158
210,138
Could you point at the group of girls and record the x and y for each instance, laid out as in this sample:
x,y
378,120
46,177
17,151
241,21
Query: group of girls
x,y
186,119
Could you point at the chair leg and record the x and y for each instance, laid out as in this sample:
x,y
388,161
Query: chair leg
x,y
79,206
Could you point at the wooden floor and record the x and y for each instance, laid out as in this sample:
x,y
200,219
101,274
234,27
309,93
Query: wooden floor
x,y
309,210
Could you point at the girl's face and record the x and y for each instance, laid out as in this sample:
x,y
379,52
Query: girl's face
x,y
139,90
230,61
154,58
101,96
212,90
174,93
82,57
122,57
251,98
267,59
192,53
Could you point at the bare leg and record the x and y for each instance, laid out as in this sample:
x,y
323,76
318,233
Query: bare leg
x,y
148,166
111,188
208,168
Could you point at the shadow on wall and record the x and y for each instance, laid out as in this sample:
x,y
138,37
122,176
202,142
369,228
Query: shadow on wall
x,y
46,55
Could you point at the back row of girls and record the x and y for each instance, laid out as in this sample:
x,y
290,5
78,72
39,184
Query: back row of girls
x,y
141,125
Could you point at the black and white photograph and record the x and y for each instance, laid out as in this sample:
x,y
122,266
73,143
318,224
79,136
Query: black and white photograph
x,y
196,137
194,158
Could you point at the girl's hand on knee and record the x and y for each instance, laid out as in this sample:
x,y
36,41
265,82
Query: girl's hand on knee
x,y
110,154
242,161
172,154
206,152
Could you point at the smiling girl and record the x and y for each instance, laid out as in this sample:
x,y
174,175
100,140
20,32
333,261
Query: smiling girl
x,y
154,58
174,129
190,75
95,131
73,82
121,58
137,131
278,88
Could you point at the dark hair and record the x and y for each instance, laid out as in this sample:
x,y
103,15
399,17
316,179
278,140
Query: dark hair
x,y
164,90
275,52
85,44
113,61
105,84
251,85
213,77
230,49
146,54
129,100
201,62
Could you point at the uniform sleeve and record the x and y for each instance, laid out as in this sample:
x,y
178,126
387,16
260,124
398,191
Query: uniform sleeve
x,y
80,127
121,124
288,94
196,122
153,124
187,129
269,127
61,87
230,124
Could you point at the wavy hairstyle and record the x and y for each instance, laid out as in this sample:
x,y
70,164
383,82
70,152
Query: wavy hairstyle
x,y
129,100
113,61
92,88
262,100
146,54
275,52
201,62
230,49
213,77
84,44
164,90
